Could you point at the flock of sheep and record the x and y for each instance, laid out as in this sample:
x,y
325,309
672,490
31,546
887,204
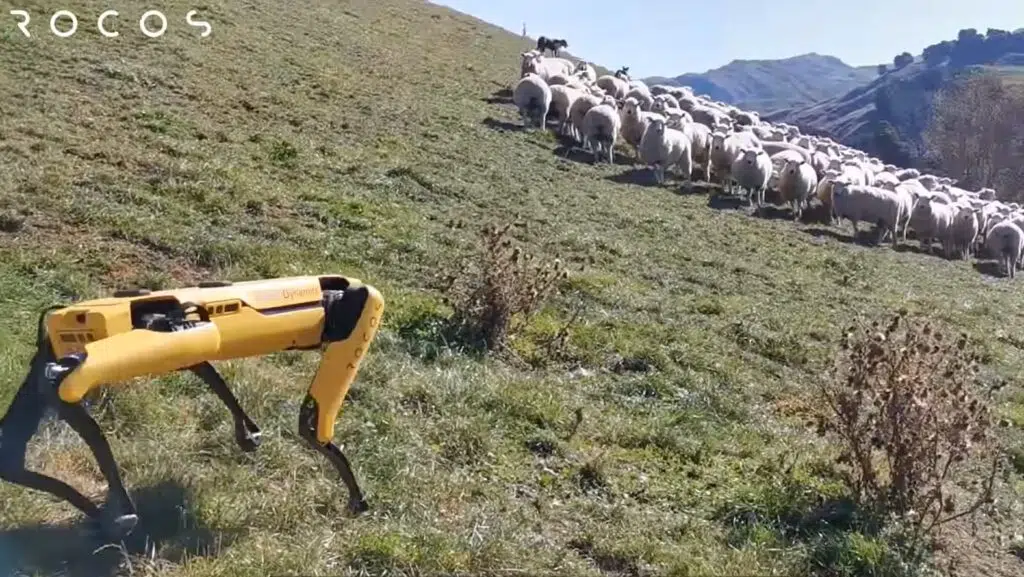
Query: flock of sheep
x,y
670,128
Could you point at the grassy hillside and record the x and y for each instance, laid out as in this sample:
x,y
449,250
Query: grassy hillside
x,y
347,140
768,85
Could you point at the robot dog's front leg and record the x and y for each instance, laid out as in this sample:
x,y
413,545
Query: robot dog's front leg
x,y
351,320
63,383
19,425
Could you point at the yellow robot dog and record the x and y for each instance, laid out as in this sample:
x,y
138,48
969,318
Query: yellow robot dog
x,y
137,332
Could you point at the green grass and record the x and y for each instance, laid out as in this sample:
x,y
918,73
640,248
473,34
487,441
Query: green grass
x,y
342,139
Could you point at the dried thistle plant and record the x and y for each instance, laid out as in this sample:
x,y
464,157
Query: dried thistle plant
x,y
496,291
903,401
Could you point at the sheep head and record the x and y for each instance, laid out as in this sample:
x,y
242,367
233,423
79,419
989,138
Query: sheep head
x,y
657,125
718,140
631,107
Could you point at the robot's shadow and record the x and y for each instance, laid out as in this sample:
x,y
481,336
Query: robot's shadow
x,y
168,530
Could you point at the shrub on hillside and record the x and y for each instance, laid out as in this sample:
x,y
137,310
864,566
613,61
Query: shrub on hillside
x,y
976,133
903,402
496,290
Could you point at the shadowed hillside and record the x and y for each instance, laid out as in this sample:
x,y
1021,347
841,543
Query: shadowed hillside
x,y
768,85
888,116
653,421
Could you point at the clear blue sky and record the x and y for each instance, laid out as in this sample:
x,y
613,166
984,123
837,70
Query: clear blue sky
x,y
671,37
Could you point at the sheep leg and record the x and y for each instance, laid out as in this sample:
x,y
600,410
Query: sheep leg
x,y
611,153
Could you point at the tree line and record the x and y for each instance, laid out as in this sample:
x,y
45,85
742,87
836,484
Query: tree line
x,y
976,133
969,49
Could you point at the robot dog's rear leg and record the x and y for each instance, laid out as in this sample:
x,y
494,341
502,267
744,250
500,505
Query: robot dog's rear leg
x,y
307,431
247,434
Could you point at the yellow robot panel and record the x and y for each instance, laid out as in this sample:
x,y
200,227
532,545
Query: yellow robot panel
x,y
341,363
138,352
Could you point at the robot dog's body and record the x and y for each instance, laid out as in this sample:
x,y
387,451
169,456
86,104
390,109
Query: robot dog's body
x,y
105,341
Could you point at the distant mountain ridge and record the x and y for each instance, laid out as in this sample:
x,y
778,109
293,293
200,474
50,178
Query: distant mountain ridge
x,y
887,116
770,85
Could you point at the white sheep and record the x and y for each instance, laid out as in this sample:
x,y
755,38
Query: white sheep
x,y
562,99
578,111
885,177
964,231
796,184
725,149
823,192
667,99
933,220
853,173
907,195
930,181
705,115
532,96
546,67
662,147
908,173
987,215
772,148
585,71
744,118
856,203
557,80
677,117
634,123
820,162
644,98
700,144
639,85
779,159
601,129
526,60
1005,240
751,170
614,86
